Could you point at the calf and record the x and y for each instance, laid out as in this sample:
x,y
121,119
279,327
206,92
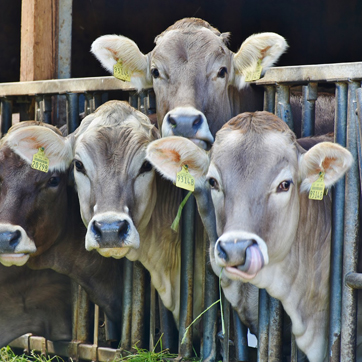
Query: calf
x,y
40,222
34,301
270,233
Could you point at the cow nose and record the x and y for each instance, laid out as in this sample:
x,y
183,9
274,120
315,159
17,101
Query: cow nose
x,y
233,252
9,240
185,125
110,234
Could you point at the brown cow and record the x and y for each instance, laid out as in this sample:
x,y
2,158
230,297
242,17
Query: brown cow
x,y
34,301
40,221
270,233
198,81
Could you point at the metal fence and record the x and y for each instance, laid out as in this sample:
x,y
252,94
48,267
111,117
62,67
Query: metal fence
x,y
345,82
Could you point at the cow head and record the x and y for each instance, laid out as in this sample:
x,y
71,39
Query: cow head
x,y
115,182
258,175
32,202
191,70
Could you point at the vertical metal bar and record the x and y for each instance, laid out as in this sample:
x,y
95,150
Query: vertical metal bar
x,y
64,38
38,116
6,115
127,305
269,98
340,126
88,103
351,229
153,313
24,108
133,99
138,305
240,339
110,329
275,349
226,337
168,328
142,101
96,324
263,326
187,271
72,112
47,111
151,103
283,108
309,94
97,100
359,131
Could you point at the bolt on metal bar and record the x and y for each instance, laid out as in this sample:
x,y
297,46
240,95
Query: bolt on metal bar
x,y
127,305
72,112
283,109
187,271
351,229
263,326
309,94
6,115
338,192
275,330
241,339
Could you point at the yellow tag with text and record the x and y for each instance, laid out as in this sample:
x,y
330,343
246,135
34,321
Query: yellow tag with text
x,y
254,74
120,73
317,190
40,161
184,180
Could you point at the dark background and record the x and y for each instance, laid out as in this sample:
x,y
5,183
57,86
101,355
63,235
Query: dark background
x,y
318,31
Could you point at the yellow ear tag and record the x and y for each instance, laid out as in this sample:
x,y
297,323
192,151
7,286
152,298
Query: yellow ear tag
x,y
40,161
120,72
254,74
317,190
184,180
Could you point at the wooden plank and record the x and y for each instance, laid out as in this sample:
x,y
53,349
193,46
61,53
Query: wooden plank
x,y
38,39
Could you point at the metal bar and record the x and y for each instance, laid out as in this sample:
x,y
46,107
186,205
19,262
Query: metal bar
x,y
187,271
133,99
263,326
283,109
151,102
269,99
96,325
241,339
226,337
24,108
64,38
127,305
110,330
351,229
340,126
153,313
47,111
168,328
142,102
6,115
354,280
97,100
72,112
309,94
275,330
359,131
38,116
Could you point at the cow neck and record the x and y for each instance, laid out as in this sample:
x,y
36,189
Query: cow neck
x,y
305,272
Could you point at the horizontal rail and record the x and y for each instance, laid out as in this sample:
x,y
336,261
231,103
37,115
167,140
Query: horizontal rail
x,y
354,280
62,86
312,73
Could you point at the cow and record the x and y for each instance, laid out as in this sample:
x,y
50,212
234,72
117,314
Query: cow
x,y
198,81
268,232
129,208
34,301
40,223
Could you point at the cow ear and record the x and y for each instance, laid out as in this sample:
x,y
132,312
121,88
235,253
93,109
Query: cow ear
x,y
259,50
330,158
169,154
113,49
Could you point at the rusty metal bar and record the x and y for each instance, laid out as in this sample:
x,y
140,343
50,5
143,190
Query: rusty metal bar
x,y
309,94
283,109
359,131
275,330
269,99
263,326
340,126
226,337
72,112
127,305
351,230
38,116
6,115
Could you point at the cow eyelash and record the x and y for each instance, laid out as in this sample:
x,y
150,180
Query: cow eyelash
x,y
79,166
284,186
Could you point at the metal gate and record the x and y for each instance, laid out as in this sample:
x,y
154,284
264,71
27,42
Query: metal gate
x,y
345,82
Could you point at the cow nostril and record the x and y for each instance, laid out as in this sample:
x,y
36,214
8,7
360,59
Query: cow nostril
x,y
97,229
15,238
172,121
123,228
197,122
221,252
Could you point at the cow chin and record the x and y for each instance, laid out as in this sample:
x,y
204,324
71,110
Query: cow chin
x,y
116,253
13,259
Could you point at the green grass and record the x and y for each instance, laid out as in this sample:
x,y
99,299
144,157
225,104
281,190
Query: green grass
x,y
7,355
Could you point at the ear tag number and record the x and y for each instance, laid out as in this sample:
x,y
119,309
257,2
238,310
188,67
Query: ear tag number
x,y
254,74
317,190
120,72
40,161
184,180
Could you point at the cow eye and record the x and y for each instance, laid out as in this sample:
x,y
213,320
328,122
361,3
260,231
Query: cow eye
x,y
146,167
54,181
222,72
79,166
284,186
155,73
213,183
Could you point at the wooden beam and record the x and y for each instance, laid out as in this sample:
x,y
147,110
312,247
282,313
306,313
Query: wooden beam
x,y
39,36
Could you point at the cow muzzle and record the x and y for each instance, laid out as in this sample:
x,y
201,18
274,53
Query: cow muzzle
x,y
190,123
242,255
112,234
15,245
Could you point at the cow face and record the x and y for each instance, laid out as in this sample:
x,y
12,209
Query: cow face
x,y
258,175
191,70
115,182
32,203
